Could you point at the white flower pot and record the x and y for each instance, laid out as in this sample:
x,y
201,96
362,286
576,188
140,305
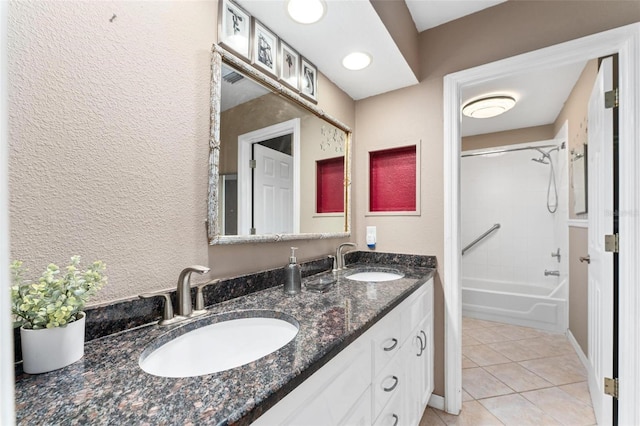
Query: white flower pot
x,y
49,349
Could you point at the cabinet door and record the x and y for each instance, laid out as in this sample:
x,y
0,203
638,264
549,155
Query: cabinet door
x,y
426,327
424,365
412,356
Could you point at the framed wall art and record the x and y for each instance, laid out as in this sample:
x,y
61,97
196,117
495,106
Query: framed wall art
x,y
234,28
289,69
308,80
265,48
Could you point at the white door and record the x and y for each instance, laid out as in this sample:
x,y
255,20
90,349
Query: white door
x,y
272,191
600,200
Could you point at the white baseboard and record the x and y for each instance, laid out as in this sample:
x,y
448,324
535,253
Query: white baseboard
x,y
436,401
578,349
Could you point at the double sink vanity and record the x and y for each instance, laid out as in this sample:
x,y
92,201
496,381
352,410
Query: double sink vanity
x,y
361,351
355,346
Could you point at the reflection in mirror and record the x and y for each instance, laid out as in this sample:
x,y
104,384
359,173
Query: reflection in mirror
x,y
280,167
579,179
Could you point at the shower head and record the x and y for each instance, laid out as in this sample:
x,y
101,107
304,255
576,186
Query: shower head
x,y
542,160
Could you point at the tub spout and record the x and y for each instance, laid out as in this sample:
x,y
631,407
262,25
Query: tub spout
x,y
552,273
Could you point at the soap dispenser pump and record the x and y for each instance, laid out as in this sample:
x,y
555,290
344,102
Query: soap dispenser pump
x,y
293,277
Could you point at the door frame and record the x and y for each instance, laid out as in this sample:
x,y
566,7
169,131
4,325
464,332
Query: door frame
x,y
625,41
245,141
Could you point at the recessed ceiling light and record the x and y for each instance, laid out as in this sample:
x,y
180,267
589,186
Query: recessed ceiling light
x,y
356,61
306,11
488,107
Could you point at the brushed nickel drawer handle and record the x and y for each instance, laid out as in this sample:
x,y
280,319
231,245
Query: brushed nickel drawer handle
x,y
425,339
421,346
395,419
389,389
392,347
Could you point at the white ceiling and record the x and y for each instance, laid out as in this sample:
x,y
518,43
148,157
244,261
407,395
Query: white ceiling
x,y
431,13
351,25
348,25
540,96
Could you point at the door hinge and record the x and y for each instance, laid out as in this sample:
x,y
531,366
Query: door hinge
x,y
611,243
252,164
611,98
611,387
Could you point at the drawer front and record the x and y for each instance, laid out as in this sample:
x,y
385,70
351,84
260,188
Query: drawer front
x,y
385,341
330,394
387,384
392,414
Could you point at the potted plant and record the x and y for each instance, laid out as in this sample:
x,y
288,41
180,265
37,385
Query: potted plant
x,y
49,312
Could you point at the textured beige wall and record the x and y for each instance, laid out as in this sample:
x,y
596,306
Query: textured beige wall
x,y
109,129
575,112
499,32
508,137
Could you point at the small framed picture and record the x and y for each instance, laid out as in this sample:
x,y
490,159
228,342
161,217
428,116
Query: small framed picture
x,y
265,48
308,80
234,25
289,70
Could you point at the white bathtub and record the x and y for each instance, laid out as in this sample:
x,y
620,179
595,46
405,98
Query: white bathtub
x,y
513,303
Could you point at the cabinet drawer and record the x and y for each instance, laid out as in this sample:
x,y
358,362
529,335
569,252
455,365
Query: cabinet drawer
x,y
393,414
330,394
385,341
387,385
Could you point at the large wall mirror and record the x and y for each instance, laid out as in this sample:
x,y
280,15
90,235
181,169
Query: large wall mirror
x,y
279,167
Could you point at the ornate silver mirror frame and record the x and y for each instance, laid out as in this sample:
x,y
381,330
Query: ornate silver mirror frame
x,y
218,56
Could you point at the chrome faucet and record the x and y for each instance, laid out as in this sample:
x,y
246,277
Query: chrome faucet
x,y
339,259
185,308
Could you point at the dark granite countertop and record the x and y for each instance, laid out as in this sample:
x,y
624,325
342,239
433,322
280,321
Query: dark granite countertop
x,y
108,387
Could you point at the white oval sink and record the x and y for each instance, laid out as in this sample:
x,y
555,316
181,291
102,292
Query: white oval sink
x,y
374,276
218,347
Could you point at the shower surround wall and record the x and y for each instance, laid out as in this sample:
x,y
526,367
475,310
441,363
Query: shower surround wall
x,y
511,190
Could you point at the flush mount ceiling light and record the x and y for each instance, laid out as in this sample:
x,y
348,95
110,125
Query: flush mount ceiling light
x,y
306,11
356,61
488,107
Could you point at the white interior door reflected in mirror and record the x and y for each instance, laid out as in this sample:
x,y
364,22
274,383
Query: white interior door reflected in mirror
x,y
272,191
268,180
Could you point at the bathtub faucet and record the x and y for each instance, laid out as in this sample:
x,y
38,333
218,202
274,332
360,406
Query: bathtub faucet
x,y
552,273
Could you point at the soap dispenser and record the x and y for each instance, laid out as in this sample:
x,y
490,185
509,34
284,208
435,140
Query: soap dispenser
x,y
293,279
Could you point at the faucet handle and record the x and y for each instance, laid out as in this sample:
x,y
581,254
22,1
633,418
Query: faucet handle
x,y
199,308
167,316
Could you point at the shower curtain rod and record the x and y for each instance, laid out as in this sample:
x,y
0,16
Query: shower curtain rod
x,y
499,151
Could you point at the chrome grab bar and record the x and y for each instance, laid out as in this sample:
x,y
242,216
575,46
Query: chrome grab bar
x,y
481,237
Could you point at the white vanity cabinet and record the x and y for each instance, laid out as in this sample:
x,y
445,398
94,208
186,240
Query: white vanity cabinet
x,y
385,377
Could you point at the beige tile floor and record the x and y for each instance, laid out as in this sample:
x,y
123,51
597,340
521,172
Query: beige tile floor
x,y
517,376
